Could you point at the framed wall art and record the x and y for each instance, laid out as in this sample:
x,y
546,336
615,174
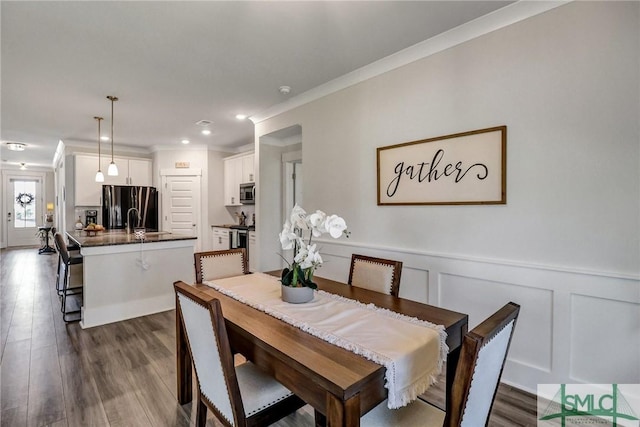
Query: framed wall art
x,y
466,168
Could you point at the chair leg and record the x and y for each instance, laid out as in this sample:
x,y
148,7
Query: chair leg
x,y
65,293
201,413
58,276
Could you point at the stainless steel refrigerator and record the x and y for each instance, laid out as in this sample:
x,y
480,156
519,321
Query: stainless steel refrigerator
x,y
117,200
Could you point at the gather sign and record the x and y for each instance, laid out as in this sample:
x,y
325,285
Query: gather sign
x,y
460,169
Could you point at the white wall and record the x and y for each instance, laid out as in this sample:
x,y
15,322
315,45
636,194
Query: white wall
x,y
566,246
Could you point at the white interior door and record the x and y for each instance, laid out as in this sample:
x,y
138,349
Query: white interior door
x,y
24,209
181,205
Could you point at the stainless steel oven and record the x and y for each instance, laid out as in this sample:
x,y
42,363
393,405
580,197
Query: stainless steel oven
x,y
239,237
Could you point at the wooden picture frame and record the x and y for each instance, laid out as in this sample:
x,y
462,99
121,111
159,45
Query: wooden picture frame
x,y
468,168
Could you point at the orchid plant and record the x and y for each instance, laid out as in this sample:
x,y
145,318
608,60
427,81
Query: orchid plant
x,y
307,257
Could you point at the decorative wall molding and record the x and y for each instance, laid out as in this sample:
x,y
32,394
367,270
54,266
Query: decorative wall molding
x,y
515,12
558,338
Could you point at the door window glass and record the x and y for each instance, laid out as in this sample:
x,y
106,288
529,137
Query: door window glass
x,y
24,208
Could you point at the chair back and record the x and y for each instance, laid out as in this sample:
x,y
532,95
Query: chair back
x,y
482,357
210,351
61,247
220,264
377,274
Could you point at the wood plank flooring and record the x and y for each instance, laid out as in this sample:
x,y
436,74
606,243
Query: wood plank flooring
x,y
122,374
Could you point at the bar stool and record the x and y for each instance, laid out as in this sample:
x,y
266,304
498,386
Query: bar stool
x,y
65,261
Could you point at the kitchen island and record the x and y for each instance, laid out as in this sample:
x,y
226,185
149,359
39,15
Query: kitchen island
x,y
125,277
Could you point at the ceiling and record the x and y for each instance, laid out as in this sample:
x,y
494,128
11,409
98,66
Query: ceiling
x,y
172,64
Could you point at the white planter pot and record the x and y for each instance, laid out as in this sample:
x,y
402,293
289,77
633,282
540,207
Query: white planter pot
x,y
296,295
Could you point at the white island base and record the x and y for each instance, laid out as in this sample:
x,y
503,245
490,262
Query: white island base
x,y
131,280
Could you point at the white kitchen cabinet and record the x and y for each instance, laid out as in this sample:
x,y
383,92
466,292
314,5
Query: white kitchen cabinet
x,y
220,239
88,192
237,170
253,256
130,171
248,174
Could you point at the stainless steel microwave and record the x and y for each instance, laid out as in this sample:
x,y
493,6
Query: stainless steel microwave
x,y
248,193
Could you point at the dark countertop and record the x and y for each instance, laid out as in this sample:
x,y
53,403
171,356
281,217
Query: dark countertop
x,y
236,227
110,238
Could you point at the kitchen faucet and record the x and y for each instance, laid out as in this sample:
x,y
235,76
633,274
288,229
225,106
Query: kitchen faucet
x,y
130,229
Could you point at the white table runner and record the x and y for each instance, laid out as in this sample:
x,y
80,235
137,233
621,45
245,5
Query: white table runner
x,y
411,350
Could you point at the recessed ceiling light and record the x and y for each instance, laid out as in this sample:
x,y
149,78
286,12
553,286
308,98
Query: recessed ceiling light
x,y
23,166
284,90
185,141
203,122
16,146
104,138
241,116
206,132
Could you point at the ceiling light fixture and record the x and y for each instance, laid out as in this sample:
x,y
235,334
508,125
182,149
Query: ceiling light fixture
x,y
16,146
23,166
241,116
185,141
284,90
99,174
206,132
113,169
105,138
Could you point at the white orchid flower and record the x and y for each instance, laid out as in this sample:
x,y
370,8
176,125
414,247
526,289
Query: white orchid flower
x,y
335,225
317,221
287,237
299,218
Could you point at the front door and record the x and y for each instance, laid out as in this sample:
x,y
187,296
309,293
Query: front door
x,y
181,204
24,213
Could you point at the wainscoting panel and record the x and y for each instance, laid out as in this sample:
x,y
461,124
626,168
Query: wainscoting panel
x,y
604,336
481,298
574,326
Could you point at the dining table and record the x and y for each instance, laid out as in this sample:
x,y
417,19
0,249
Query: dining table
x,y
339,384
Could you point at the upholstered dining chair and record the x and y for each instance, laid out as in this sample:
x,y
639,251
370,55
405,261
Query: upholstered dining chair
x,y
238,396
220,264
377,274
64,287
482,357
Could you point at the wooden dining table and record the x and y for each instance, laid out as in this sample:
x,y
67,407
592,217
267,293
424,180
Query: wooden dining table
x,y
340,385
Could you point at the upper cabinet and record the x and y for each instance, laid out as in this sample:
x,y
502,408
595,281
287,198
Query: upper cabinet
x,y
88,192
237,170
247,169
130,171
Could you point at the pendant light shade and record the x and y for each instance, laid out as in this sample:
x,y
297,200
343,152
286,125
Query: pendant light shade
x,y
113,168
99,174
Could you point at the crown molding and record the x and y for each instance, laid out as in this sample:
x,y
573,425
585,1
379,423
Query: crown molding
x,y
478,27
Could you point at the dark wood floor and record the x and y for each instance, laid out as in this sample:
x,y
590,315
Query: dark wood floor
x,y
122,374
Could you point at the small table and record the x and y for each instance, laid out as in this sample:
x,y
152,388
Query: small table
x,y
46,249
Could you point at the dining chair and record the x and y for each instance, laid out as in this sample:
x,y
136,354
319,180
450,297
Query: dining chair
x,y
241,396
482,358
377,274
220,264
64,288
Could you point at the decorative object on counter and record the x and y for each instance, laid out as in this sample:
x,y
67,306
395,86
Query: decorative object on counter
x,y
299,273
113,169
92,229
139,233
79,225
99,174
242,218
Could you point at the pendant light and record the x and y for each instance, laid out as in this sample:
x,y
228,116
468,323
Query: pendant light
x,y
99,174
113,169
